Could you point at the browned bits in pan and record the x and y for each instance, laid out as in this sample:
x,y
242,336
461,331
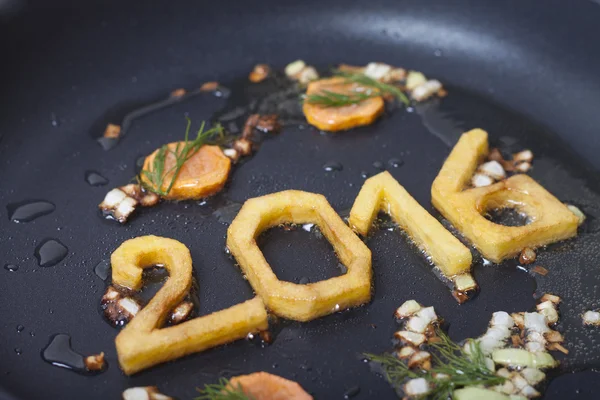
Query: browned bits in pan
x,y
268,123
540,270
259,73
209,86
178,92
527,256
112,131
94,362
266,337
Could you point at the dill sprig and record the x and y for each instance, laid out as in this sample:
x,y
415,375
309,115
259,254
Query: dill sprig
x,y
461,368
327,98
382,88
223,390
156,174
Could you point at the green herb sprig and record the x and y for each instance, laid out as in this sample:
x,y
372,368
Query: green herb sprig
x,y
156,174
222,390
327,98
461,368
382,88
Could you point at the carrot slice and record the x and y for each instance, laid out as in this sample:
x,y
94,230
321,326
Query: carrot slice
x,y
265,386
202,175
341,118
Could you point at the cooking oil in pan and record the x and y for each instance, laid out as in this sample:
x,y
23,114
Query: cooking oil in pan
x,y
50,252
29,210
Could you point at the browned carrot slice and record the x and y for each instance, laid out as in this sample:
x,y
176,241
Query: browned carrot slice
x,y
340,118
202,175
265,386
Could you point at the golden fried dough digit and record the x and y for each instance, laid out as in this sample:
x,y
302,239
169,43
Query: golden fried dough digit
x,y
383,193
142,343
286,299
551,220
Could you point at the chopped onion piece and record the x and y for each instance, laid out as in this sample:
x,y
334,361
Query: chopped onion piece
x,y
427,313
418,358
417,324
294,68
308,74
416,339
405,352
550,297
535,322
415,79
129,305
533,375
503,372
591,318
502,318
480,180
426,90
493,169
525,155
113,198
523,167
534,347
416,387
377,70
407,309
529,391
554,337
518,381
547,308
489,344
507,387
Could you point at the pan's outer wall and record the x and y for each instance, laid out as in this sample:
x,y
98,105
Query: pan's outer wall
x,y
73,58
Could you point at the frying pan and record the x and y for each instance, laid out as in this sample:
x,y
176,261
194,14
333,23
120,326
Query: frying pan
x,y
525,71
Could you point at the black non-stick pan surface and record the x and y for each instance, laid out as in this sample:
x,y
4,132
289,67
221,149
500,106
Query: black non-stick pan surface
x,y
525,71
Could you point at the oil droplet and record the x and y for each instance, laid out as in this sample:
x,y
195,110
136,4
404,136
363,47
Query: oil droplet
x,y
364,174
438,53
27,211
20,328
396,162
18,351
303,281
50,252
11,267
95,179
379,165
60,354
102,269
353,391
333,166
